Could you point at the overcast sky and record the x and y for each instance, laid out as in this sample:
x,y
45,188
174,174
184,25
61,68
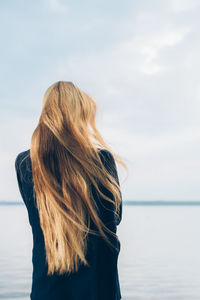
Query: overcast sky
x,y
140,62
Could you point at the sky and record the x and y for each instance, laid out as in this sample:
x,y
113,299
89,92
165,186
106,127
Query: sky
x,y
139,60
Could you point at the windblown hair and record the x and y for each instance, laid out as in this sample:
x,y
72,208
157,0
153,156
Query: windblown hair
x,y
65,162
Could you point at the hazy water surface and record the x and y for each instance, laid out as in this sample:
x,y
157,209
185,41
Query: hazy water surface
x,y
159,258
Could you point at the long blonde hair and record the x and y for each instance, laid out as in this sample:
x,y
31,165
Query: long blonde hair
x,y
65,162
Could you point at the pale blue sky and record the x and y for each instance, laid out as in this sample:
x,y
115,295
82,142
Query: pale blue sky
x,y
140,62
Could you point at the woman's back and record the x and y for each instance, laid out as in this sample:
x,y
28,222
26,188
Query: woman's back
x,y
99,280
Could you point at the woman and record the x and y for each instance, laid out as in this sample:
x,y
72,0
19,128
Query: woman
x,y
71,190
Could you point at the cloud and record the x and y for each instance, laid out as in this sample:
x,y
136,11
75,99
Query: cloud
x,y
184,5
149,48
125,61
58,6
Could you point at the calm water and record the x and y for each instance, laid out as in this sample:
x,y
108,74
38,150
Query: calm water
x,y
159,258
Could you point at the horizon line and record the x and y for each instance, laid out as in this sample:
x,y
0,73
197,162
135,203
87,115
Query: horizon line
x,y
134,202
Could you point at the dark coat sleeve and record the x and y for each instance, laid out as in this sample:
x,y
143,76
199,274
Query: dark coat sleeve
x,y
110,165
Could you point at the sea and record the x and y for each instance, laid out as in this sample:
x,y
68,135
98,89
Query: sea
x,y
159,257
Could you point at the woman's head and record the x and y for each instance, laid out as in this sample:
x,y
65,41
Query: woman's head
x,y
66,109
65,164
68,105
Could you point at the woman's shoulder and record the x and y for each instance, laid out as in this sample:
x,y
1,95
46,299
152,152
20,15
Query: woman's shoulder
x,y
22,156
106,154
107,158
23,162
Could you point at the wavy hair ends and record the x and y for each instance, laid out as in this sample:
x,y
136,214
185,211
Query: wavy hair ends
x,y
65,163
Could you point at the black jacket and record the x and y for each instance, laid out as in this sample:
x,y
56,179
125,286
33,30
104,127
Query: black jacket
x,y
97,282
